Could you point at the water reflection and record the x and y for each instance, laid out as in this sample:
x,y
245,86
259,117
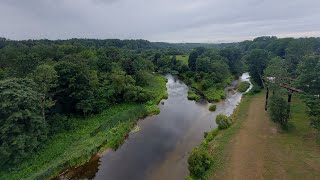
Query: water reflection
x,y
160,149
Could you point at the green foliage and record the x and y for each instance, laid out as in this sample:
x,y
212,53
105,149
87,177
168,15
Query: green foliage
x,y
183,59
223,121
278,109
297,49
234,56
199,162
215,95
193,58
257,61
309,81
243,86
193,96
255,89
76,87
22,126
84,137
277,69
212,107
313,104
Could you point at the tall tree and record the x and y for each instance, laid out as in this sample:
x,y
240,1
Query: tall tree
x,y
309,81
257,61
234,56
22,127
193,57
46,79
277,72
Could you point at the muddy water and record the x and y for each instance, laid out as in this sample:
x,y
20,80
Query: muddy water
x,y
160,149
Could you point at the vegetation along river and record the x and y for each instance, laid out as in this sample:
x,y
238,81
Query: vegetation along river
x,y
160,147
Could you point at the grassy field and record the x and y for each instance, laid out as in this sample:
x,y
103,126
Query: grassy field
x,y
298,150
182,58
91,135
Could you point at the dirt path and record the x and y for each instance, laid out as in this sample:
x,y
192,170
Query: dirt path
x,y
260,151
248,147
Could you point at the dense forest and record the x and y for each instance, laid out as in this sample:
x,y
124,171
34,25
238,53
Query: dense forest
x,y
50,89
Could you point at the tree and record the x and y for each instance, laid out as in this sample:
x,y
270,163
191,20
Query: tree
x,y
25,64
46,79
193,57
203,64
297,49
278,108
76,87
199,162
309,81
277,69
234,56
257,61
22,127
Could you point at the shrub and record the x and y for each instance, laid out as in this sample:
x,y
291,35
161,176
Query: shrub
x,y
199,162
278,110
243,86
255,89
212,107
215,95
223,121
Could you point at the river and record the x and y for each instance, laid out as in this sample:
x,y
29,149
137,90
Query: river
x,y
160,149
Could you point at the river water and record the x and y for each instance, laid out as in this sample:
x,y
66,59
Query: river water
x,y
160,149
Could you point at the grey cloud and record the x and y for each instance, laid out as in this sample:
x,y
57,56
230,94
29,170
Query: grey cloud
x,y
165,20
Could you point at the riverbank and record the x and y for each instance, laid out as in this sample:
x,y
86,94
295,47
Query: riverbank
x,y
261,150
90,136
216,140
256,148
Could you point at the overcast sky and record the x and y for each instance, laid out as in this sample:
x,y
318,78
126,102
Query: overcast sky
x,y
159,20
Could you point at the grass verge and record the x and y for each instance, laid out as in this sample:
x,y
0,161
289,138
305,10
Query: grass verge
x,y
215,141
89,136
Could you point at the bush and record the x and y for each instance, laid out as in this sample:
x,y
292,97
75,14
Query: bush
x,y
212,107
193,96
199,162
223,121
243,86
255,89
278,110
214,95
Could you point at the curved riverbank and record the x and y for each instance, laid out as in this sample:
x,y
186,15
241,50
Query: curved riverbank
x,y
89,136
161,148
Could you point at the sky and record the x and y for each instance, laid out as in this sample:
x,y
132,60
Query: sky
x,y
206,21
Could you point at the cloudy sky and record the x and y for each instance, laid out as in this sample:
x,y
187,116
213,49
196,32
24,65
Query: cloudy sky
x,y
159,20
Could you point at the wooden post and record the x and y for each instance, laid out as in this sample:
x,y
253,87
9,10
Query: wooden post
x,y
289,101
267,97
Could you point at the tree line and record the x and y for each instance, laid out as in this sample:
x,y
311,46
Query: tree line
x,y
43,83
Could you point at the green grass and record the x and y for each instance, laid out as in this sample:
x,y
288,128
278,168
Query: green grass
x,y
193,96
91,135
243,86
183,58
298,148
